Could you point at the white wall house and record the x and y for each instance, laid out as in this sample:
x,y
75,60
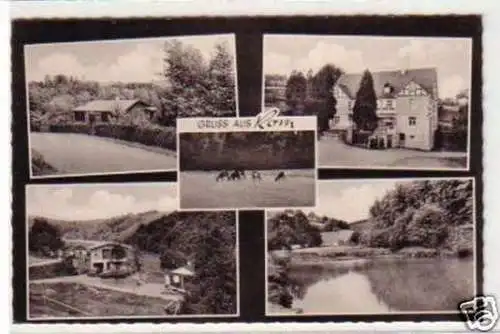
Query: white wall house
x,y
101,259
406,106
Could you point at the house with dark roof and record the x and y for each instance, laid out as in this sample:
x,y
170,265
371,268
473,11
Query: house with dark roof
x,y
407,105
105,111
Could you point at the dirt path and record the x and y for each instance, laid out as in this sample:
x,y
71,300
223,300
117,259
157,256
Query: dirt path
x,y
72,153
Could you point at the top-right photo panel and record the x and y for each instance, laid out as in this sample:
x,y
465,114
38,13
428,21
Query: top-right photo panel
x,y
381,102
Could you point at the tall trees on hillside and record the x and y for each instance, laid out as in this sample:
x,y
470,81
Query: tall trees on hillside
x,y
365,105
421,213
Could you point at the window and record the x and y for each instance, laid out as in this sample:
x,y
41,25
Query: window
x,y
349,117
402,137
389,104
105,117
350,105
79,116
106,254
336,119
412,121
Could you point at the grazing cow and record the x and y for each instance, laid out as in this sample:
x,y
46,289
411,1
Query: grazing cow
x,y
281,175
235,175
222,175
256,175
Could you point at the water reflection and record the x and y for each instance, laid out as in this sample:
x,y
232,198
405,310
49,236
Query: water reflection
x,y
384,286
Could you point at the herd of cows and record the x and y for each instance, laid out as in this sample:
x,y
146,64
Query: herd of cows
x,y
239,174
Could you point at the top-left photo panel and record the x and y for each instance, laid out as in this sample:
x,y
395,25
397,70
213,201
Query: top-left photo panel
x,y
110,107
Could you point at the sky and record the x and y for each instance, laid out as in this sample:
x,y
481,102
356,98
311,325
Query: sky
x,y
96,201
450,56
137,60
349,200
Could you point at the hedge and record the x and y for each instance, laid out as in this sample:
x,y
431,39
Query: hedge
x,y
152,135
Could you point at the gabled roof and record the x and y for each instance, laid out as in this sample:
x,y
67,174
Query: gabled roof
x,y
183,271
107,243
108,105
425,77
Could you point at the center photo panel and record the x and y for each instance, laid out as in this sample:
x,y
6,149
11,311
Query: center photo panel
x,y
247,162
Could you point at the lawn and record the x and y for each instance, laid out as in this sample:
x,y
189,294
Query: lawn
x,y
71,153
200,190
332,152
90,301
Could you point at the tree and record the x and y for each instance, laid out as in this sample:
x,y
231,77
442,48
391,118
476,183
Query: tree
x,y
365,105
43,237
187,73
221,80
322,101
296,88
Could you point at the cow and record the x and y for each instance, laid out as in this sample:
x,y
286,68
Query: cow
x,y
256,175
235,175
281,175
222,175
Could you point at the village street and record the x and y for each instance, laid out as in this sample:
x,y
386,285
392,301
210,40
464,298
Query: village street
x,y
72,153
332,152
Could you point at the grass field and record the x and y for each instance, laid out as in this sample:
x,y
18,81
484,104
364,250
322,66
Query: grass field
x,y
201,190
78,300
71,153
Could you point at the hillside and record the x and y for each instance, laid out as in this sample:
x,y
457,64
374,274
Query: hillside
x,y
206,238
116,228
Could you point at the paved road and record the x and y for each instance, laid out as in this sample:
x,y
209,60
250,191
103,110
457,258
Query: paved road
x,y
334,153
73,153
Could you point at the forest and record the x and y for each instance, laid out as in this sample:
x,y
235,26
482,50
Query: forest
x,y
291,227
247,150
422,214
207,239
189,86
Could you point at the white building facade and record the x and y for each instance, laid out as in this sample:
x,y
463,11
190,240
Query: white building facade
x,y
407,106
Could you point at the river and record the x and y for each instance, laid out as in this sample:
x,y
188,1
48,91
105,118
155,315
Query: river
x,y
384,286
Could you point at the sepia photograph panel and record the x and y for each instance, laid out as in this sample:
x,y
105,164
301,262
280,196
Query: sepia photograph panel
x,y
117,113
374,246
381,101
99,251
247,169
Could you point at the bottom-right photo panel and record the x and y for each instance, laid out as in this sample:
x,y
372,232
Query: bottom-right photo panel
x,y
374,246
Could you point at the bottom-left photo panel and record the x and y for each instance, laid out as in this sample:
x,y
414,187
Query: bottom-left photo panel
x,y
122,250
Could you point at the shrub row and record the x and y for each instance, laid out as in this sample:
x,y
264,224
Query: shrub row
x,y
164,137
152,135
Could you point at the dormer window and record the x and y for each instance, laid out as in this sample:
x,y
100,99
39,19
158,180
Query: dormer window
x,y
388,89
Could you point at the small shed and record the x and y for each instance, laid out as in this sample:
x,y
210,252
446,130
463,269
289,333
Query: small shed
x,y
176,278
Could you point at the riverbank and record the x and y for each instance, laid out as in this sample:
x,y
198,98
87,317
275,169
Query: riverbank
x,y
322,255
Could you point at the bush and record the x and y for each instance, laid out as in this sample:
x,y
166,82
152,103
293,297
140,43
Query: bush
x,y
428,227
70,127
355,238
164,137
360,137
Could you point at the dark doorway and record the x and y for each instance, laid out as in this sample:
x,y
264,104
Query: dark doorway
x,y
389,141
402,139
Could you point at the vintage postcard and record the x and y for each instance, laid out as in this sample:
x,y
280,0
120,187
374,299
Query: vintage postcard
x,y
101,251
247,162
374,246
116,113
382,102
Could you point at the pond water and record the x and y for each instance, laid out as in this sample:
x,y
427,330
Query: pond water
x,y
384,286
